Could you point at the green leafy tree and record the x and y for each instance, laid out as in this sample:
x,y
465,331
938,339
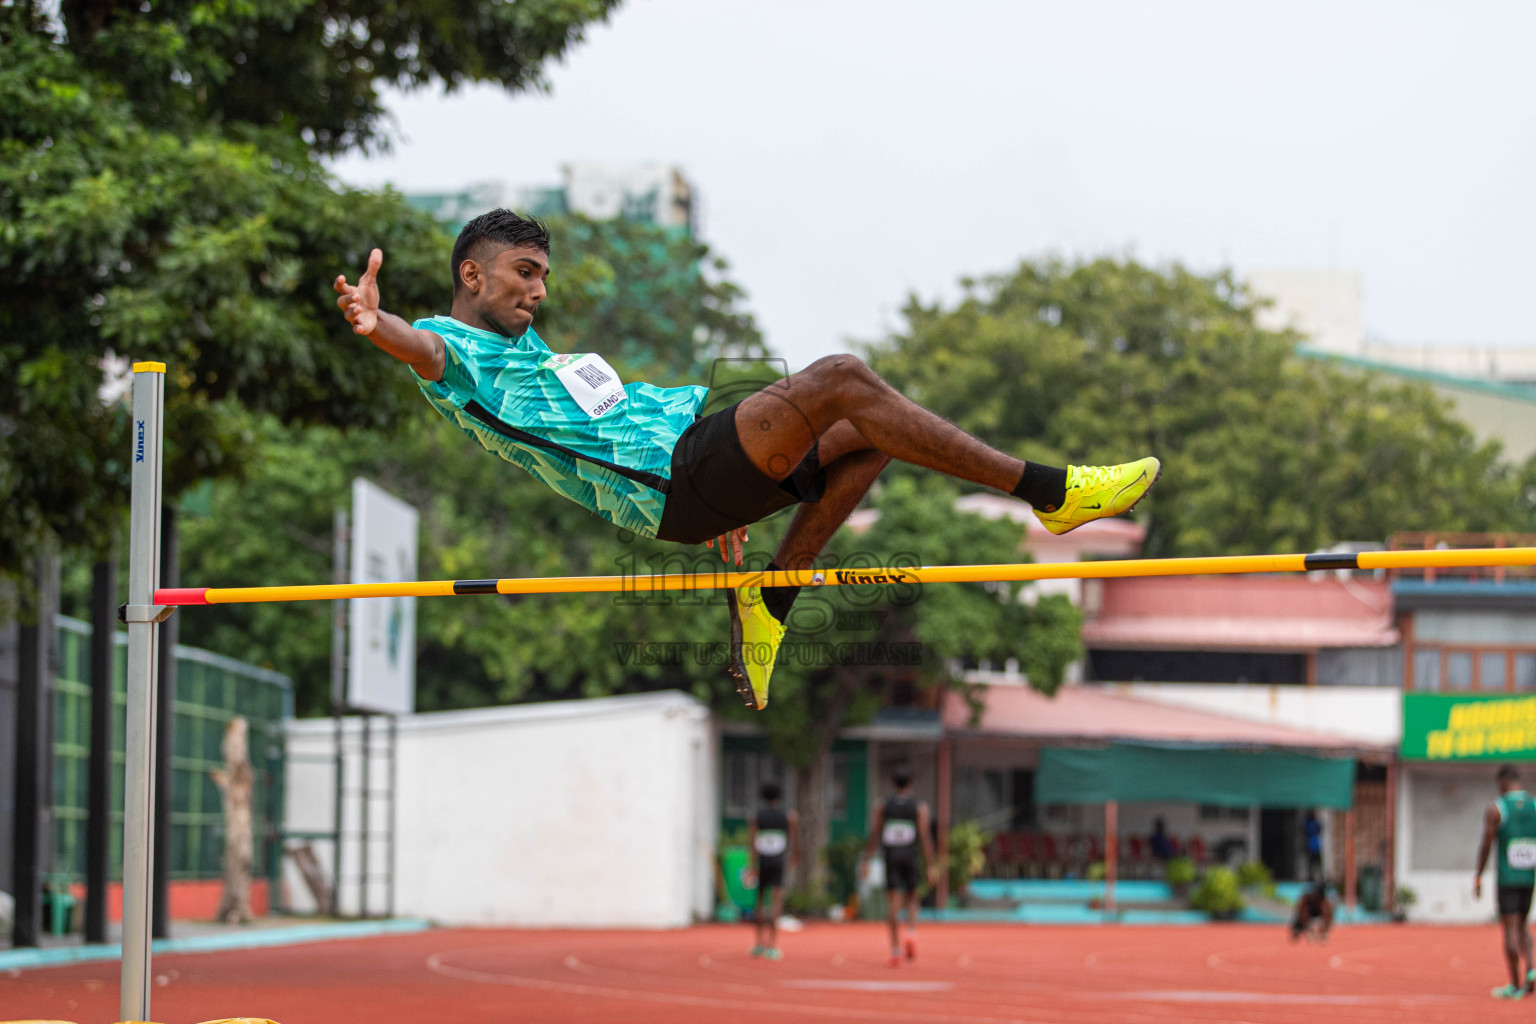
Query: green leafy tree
x,y
161,195
655,300
1263,449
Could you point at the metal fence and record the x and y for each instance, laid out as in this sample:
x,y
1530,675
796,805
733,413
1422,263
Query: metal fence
x,y
210,690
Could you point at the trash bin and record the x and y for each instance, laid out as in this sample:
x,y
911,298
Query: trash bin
x,y
1369,884
734,861
58,905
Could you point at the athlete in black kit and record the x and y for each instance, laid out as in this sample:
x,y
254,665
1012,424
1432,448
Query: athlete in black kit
x,y
774,837
899,825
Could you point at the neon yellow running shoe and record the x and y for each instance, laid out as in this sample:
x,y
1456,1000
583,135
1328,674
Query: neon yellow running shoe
x,y
1098,492
755,639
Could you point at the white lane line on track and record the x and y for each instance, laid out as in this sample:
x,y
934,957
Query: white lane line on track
x,y
1293,998
844,985
435,963
581,966
1338,963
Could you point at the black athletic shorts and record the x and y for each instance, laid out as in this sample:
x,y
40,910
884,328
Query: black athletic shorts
x,y
770,873
1515,899
901,874
716,489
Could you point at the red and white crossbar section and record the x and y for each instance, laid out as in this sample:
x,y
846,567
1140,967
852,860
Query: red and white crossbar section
x,y
709,579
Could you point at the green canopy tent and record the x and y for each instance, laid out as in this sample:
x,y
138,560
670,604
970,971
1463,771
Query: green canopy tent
x,y
1204,774
1128,772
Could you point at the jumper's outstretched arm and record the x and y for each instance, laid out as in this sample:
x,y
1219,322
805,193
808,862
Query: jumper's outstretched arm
x,y
421,350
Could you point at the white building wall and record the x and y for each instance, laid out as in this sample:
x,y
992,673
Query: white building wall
x,y
1440,809
596,813
1369,714
1323,305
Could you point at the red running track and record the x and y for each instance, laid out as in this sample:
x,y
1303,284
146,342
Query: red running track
x,y
964,974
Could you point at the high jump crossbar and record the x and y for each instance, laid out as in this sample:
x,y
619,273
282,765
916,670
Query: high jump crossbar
x,y
708,579
149,605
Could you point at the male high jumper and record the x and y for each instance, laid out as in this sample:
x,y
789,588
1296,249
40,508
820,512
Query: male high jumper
x,y
640,457
1509,826
899,827
773,838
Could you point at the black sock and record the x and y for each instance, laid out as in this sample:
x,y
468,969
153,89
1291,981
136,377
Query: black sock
x,y
779,599
1044,487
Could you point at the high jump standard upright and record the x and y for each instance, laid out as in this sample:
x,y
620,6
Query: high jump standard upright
x,y
143,618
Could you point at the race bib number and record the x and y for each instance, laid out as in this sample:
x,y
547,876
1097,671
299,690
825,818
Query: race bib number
x,y
589,380
898,833
1521,854
771,843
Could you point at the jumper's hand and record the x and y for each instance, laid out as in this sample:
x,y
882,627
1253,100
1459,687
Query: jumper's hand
x,y
360,305
737,537
1477,887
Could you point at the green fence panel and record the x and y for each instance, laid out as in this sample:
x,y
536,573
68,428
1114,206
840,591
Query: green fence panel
x,y
211,689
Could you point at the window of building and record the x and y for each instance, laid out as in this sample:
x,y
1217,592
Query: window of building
x,y
1462,669
1426,669
1492,670
1195,667
838,798
1525,671
745,773
1458,670
1213,812
737,798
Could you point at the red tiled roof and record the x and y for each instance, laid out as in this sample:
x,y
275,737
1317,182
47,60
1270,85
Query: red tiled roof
x,y
1094,714
1295,613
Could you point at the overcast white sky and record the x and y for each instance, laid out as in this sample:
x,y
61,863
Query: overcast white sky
x,y
850,151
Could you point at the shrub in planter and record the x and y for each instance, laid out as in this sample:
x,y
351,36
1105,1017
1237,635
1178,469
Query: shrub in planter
x,y
1255,874
843,865
1218,894
1180,874
967,854
1403,903
806,902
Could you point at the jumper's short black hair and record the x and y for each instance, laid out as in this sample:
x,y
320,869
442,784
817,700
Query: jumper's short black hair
x,y
1509,773
902,777
496,230
771,791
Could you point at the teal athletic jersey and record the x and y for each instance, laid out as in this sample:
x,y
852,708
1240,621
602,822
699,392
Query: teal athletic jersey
x,y
1517,839
566,419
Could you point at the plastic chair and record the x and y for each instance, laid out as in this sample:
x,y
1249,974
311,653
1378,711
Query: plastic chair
x,y
1050,855
1029,855
1142,848
1002,856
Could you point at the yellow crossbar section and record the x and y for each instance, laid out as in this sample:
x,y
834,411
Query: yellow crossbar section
x,y
710,579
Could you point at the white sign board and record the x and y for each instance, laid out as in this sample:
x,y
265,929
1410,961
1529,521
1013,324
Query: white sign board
x,y
381,633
